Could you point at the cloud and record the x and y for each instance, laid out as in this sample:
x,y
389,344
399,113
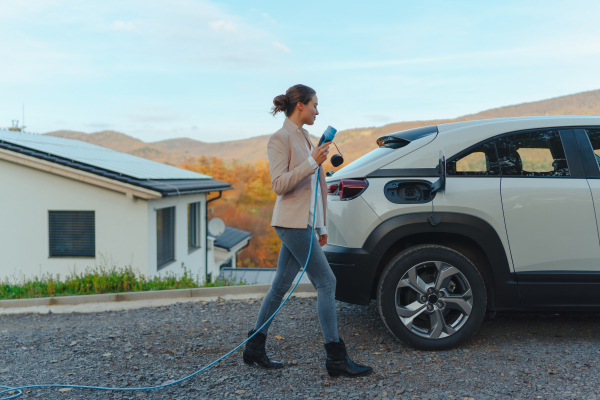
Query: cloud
x,y
17,8
157,114
531,54
123,26
268,18
34,61
98,125
222,26
281,47
179,35
379,118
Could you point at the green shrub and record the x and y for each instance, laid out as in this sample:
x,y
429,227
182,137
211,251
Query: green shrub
x,y
99,280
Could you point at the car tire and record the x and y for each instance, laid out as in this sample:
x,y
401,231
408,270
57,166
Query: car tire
x,y
431,297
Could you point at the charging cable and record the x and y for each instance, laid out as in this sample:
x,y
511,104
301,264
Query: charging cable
x,y
20,389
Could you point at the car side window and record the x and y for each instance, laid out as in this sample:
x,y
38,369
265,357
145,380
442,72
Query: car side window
x,y
537,153
594,135
481,161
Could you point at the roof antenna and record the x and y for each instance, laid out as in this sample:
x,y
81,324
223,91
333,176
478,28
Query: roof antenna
x,y
15,123
15,126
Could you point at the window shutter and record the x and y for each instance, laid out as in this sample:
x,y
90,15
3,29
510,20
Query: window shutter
x,y
193,226
72,233
165,236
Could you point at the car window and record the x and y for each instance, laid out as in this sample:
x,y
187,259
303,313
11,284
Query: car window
x,y
474,162
594,135
480,161
368,158
537,153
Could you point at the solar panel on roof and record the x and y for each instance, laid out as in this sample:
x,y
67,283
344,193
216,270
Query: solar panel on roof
x,y
98,156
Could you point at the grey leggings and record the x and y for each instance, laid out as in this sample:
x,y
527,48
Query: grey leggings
x,y
292,256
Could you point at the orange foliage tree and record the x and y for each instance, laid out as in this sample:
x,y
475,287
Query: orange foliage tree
x,y
249,206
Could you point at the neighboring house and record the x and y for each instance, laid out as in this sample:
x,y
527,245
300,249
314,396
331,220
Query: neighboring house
x,y
226,246
68,204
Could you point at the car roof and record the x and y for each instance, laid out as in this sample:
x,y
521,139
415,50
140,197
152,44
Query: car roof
x,y
455,137
458,136
519,123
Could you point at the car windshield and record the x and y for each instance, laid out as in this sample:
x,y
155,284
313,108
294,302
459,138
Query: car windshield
x,y
393,142
368,158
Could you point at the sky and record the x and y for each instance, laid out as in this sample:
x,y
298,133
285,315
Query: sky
x,y
209,70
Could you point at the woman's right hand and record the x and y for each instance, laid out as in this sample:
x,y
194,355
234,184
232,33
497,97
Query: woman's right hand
x,y
320,153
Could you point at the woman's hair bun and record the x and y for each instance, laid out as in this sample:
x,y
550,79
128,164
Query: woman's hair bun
x,y
280,104
286,103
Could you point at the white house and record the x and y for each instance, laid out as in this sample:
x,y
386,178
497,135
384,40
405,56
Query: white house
x,y
68,204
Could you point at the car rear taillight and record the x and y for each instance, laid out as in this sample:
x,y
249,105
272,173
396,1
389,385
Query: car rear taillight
x,y
331,189
351,188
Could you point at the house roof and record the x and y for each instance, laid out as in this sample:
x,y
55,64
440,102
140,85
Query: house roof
x,y
231,237
165,179
256,275
98,156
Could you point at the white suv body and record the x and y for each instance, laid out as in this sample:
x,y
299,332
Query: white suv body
x,y
516,223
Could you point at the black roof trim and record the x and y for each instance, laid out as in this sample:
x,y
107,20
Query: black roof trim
x,y
166,187
176,187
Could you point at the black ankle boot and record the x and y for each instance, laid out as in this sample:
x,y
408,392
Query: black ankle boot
x,y
255,352
338,362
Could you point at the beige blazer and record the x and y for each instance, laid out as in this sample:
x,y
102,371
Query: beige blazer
x,y
290,177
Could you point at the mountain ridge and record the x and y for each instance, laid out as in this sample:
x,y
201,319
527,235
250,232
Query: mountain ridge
x,y
352,142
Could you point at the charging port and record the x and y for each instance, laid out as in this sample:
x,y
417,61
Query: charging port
x,y
409,192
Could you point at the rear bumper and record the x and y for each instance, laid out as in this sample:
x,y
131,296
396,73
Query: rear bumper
x,y
354,270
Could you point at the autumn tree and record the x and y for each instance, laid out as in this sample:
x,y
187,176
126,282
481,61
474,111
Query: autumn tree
x,y
249,206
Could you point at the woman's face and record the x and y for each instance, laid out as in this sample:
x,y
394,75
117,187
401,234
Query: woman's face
x,y
309,112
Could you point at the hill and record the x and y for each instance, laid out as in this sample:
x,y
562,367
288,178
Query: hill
x,y
356,142
352,142
245,150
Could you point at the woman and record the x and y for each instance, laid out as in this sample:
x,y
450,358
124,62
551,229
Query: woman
x,y
293,162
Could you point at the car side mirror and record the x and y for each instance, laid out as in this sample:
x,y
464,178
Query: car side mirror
x,y
440,184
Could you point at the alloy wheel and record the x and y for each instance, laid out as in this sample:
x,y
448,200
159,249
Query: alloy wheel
x,y
433,299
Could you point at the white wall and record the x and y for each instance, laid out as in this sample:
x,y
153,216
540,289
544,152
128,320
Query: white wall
x,y
194,261
221,255
213,268
26,196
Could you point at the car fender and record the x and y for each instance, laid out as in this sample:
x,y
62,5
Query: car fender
x,y
357,286
469,226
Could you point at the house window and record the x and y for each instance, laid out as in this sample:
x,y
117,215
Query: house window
x,y
165,236
193,226
72,233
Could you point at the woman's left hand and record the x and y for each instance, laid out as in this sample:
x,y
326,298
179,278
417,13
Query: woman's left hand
x,y
322,240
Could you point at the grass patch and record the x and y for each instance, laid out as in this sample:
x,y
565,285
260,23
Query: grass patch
x,y
100,280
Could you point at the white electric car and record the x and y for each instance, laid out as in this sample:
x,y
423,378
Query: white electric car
x,y
443,223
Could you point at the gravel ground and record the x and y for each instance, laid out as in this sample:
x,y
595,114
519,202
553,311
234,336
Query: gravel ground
x,y
512,356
